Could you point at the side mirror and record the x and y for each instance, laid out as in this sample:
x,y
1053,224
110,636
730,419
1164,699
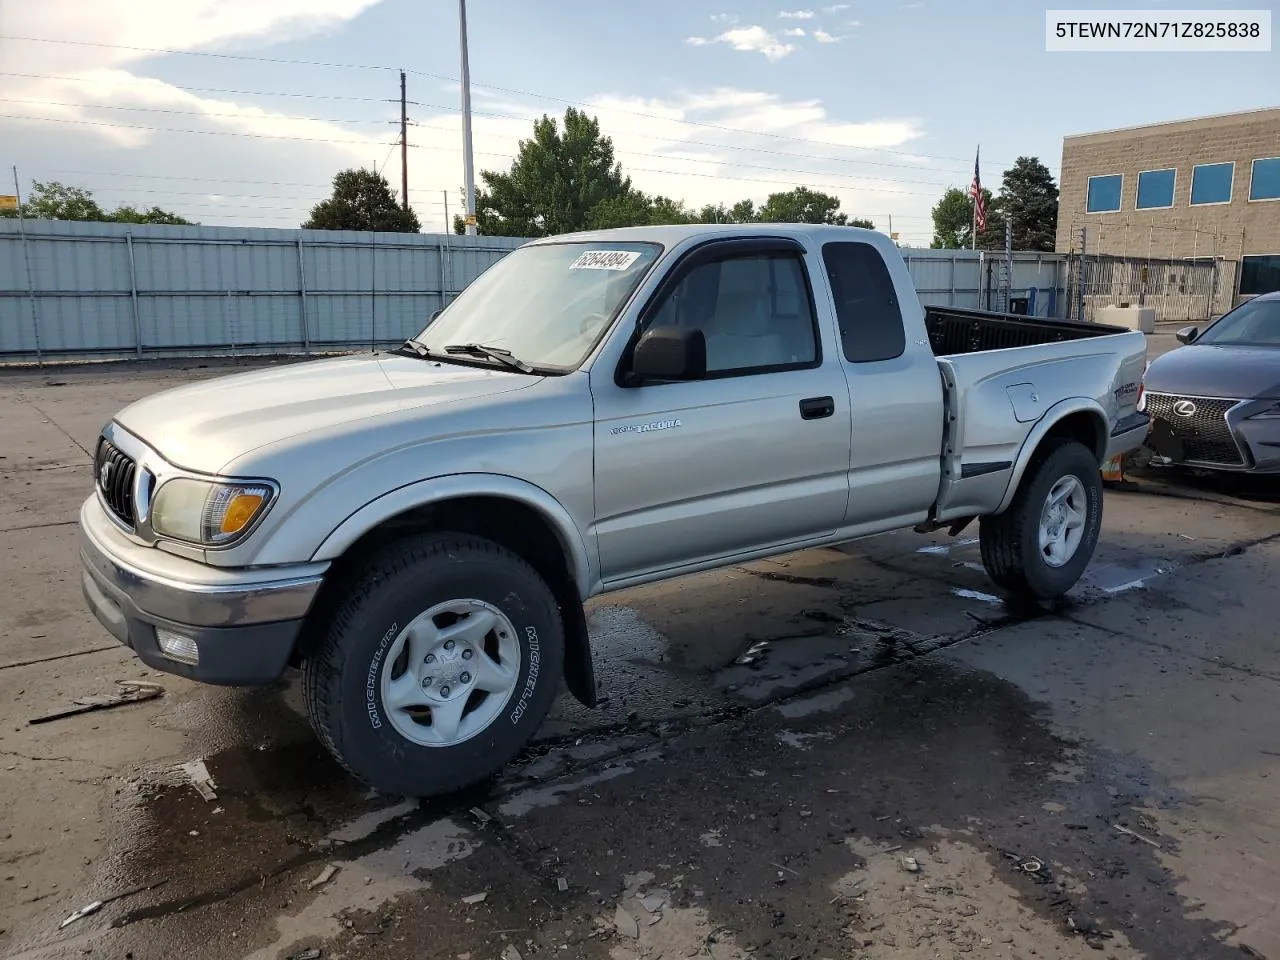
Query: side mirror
x,y
670,353
1187,334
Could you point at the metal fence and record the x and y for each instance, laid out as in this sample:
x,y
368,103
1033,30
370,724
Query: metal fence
x,y
71,290
80,290
1180,291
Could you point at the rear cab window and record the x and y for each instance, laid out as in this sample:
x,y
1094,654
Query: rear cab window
x,y
866,302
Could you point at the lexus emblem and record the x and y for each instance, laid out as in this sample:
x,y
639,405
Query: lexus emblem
x,y
1184,408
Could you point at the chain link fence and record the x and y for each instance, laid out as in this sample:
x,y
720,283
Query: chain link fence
x,y
1180,291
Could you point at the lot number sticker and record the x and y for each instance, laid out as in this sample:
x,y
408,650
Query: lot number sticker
x,y
605,260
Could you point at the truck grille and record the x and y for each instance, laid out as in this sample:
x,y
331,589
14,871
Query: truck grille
x,y
114,472
1205,435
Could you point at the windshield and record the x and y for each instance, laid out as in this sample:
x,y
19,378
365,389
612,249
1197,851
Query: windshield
x,y
548,304
1255,323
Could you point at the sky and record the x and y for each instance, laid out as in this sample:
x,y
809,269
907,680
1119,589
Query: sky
x,y
240,111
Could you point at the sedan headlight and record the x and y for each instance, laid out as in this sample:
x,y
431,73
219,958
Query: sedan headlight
x,y
1269,412
208,512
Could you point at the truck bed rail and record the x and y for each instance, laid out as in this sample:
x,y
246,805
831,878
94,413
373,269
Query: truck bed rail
x,y
955,331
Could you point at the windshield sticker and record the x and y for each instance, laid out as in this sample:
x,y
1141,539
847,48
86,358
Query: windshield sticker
x,y
605,260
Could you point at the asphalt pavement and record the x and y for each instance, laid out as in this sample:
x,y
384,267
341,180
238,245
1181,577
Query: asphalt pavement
x,y
852,752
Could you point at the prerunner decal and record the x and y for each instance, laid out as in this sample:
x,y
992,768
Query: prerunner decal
x,y
605,260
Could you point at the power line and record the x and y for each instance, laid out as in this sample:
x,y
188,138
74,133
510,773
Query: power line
x,y
183,113
497,116
525,93
240,93
224,133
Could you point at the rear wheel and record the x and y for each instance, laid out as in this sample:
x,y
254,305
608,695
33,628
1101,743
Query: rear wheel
x,y
1041,545
438,667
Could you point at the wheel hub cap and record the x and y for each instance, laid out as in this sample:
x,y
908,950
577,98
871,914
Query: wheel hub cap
x,y
450,672
1062,521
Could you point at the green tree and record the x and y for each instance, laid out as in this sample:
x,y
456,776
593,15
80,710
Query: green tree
x,y
744,211
1029,198
557,179
362,200
953,220
127,214
51,200
802,205
861,222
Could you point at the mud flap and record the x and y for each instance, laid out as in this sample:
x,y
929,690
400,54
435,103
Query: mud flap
x,y
579,671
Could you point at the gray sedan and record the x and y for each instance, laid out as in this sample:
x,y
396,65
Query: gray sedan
x,y
1215,403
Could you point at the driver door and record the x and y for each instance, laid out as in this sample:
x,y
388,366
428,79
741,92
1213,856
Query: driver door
x,y
754,455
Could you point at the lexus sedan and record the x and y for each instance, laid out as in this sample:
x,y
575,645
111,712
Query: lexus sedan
x,y
1215,402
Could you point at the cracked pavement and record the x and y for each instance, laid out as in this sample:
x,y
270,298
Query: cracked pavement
x,y
853,752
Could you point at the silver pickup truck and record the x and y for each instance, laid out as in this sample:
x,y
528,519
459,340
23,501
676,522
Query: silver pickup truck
x,y
418,529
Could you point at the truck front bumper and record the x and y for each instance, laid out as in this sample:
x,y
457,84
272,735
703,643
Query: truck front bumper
x,y
211,624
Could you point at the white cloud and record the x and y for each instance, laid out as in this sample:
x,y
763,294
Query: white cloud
x,y
752,39
796,14
724,18
794,32
823,37
835,8
854,24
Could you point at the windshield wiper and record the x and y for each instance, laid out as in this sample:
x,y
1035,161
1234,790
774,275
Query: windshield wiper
x,y
493,353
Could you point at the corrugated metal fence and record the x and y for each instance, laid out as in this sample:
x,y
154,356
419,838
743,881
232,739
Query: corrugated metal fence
x,y
110,290
83,290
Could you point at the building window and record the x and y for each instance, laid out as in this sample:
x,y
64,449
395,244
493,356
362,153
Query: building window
x,y
1155,189
1211,183
1259,274
1264,184
1104,193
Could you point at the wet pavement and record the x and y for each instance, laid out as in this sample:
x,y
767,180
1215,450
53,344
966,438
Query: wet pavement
x,y
852,752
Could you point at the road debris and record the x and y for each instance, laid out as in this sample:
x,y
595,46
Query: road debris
x,y
626,924
1137,836
311,953
198,774
476,898
562,884
911,864
131,691
325,876
481,817
654,902
90,909
511,953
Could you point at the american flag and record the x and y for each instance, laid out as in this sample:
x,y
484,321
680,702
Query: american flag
x,y
975,191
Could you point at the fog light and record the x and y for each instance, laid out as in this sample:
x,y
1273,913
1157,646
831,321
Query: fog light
x,y
177,647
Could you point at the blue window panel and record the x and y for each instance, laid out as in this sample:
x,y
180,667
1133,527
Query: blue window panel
x,y
1155,188
1104,194
1260,274
1211,183
1265,183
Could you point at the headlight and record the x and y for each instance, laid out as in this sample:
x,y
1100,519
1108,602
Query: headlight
x,y
1270,412
207,512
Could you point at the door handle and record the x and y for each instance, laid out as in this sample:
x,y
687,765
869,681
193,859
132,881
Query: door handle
x,y
815,408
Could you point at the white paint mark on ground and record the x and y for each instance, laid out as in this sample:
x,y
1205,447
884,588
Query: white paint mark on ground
x,y
976,595
369,881
942,549
365,825
548,796
801,740
818,703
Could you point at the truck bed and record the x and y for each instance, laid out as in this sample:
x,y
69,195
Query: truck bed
x,y
954,331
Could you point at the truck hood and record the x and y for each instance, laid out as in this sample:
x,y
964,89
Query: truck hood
x,y
1205,370
204,426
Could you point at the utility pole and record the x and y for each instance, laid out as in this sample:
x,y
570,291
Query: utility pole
x,y
404,147
468,172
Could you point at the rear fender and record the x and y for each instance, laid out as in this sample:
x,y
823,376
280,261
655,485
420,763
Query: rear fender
x,y
1043,427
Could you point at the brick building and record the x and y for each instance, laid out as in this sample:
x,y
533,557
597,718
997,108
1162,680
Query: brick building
x,y
1207,187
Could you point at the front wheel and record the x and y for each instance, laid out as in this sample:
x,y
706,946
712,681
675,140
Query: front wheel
x,y
438,667
1041,545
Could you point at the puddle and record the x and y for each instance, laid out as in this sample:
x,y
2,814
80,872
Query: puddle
x,y
1109,578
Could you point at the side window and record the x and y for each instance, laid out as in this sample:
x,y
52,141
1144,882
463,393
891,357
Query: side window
x,y
755,312
866,302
